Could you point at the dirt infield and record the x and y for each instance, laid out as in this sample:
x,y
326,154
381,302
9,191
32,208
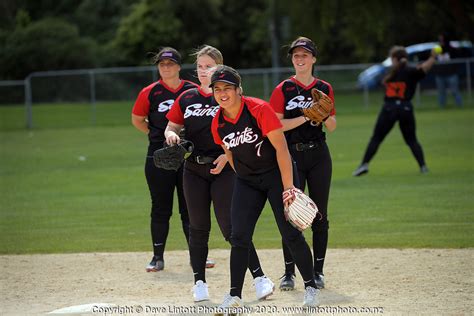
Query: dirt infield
x,y
388,281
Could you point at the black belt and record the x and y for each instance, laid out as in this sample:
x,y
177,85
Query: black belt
x,y
202,160
305,146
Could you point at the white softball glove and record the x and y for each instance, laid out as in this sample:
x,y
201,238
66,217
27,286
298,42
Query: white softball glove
x,y
300,210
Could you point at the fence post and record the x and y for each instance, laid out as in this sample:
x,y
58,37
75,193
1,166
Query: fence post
x,y
265,86
92,97
28,103
468,81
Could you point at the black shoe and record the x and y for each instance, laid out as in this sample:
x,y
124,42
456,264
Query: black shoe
x,y
287,282
424,169
156,264
362,169
319,280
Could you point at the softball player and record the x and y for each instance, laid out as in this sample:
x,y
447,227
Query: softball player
x,y
307,145
149,116
251,136
207,175
400,85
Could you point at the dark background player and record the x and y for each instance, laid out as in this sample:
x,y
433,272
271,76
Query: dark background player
x,y
251,136
207,175
400,84
446,72
149,116
307,145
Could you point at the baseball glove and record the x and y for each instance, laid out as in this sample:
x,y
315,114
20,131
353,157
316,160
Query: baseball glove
x,y
321,108
302,211
171,157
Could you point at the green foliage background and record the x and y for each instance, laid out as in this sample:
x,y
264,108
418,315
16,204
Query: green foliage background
x,y
46,35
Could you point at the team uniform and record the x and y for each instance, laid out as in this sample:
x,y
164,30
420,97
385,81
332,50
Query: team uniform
x,y
258,179
154,102
195,110
398,107
307,145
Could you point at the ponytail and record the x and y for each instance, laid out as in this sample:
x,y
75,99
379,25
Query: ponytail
x,y
400,54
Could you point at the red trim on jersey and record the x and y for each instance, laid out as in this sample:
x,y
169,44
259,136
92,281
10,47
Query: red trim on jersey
x,y
266,118
302,85
204,94
236,119
142,103
277,99
214,123
169,88
175,114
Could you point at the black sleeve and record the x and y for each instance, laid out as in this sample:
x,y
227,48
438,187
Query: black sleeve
x,y
417,73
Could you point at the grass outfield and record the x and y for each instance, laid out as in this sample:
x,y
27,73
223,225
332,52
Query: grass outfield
x,y
67,187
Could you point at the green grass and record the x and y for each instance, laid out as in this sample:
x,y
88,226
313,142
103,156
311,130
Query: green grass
x,y
54,202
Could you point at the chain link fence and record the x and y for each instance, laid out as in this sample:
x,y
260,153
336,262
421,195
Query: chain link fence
x,y
102,96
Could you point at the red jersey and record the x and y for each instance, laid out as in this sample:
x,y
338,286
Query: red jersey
x,y
245,136
154,101
196,109
289,97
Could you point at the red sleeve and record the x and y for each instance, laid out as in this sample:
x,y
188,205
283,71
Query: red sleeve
x,y
266,117
175,114
277,100
142,104
215,135
331,95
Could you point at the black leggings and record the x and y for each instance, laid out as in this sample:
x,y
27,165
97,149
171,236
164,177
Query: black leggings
x,y
248,201
315,168
200,189
162,184
388,116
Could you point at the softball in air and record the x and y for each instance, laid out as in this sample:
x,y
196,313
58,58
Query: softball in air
x,y
438,50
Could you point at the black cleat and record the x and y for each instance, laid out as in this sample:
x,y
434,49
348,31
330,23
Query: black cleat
x,y
319,280
424,169
287,282
362,169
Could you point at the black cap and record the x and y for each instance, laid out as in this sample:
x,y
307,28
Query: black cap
x,y
169,53
303,43
225,74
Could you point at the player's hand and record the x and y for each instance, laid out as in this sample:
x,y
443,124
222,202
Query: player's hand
x,y
172,138
289,196
219,163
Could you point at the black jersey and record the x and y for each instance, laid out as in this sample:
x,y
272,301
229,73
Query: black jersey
x,y
289,97
194,109
154,101
245,136
403,85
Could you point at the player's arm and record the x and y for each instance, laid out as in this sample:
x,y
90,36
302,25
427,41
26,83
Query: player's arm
x,y
141,123
228,154
291,123
277,103
278,141
219,164
172,133
427,64
331,123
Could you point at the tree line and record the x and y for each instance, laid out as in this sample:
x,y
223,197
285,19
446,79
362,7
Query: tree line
x,y
38,35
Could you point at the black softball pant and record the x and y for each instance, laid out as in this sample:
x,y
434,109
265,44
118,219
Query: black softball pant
x,y
249,197
200,189
162,184
391,113
315,169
